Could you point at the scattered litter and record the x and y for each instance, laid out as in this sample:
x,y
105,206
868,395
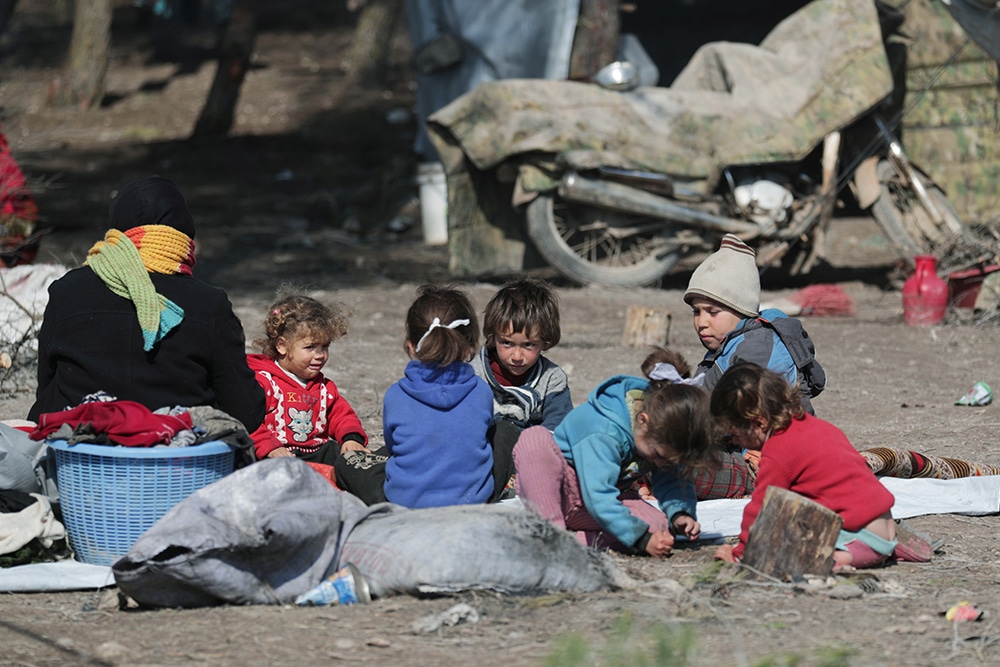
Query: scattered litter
x,y
345,586
460,613
980,394
963,611
824,301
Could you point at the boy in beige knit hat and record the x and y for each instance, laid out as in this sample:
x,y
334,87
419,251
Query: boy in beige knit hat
x,y
724,290
724,295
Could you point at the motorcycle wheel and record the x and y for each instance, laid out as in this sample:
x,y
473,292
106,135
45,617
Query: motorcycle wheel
x,y
905,221
593,245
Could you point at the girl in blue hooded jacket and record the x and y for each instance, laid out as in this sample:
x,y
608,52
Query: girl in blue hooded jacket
x,y
581,477
437,419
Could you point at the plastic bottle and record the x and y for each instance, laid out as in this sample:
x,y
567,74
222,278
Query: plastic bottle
x,y
343,587
925,295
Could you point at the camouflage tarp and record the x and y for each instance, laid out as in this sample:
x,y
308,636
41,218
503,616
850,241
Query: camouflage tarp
x,y
732,104
951,127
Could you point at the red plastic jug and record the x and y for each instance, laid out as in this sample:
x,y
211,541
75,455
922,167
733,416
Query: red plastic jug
x,y
925,295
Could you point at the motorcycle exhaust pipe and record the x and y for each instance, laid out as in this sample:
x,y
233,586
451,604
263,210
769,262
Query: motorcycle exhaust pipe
x,y
626,199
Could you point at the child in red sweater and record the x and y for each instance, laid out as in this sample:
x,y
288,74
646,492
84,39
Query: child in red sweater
x,y
812,457
306,415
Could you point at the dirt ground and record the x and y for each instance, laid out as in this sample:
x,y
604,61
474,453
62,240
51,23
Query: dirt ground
x,y
304,192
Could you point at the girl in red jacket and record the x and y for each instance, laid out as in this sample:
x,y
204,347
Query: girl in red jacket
x,y
306,415
761,411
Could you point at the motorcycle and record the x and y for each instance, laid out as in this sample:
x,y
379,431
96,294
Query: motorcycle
x,y
618,185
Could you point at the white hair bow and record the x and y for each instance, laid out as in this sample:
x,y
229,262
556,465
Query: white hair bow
x,y
437,323
662,371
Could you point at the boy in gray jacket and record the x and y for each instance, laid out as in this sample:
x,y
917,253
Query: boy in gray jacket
x,y
521,322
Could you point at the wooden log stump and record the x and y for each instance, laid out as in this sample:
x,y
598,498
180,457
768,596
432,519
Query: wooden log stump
x,y
792,536
645,327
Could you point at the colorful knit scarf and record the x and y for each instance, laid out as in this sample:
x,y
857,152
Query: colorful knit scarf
x,y
124,261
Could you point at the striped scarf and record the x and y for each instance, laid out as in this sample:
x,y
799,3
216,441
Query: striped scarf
x,y
124,261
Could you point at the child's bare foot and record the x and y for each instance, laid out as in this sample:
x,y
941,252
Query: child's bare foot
x,y
725,553
842,561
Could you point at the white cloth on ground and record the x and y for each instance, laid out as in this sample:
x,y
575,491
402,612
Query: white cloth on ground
x,y
971,496
64,575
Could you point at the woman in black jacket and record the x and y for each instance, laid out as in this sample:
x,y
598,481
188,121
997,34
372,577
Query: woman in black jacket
x,y
134,323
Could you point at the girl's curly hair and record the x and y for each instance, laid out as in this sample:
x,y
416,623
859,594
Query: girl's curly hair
x,y
747,391
295,316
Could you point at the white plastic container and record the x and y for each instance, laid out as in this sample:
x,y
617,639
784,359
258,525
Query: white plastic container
x,y
433,202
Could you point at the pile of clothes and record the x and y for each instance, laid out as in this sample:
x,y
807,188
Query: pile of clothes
x,y
29,529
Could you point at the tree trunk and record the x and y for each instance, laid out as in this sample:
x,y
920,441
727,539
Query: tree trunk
x,y
89,50
595,43
216,119
369,56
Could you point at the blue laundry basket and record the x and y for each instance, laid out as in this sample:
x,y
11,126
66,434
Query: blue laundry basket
x,y
110,495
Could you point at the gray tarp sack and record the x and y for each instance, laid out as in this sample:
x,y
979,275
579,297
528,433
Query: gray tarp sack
x,y
25,464
263,535
474,547
273,530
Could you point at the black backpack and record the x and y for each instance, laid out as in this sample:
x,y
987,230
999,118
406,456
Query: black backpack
x,y
803,352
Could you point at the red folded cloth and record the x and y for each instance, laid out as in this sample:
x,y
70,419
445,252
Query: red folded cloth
x,y
124,422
